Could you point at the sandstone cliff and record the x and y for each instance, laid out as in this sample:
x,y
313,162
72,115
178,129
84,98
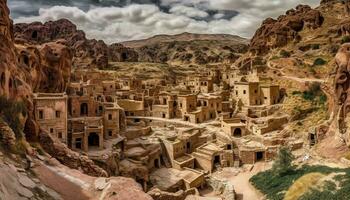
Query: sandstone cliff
x,y
86,53
278,33
32,66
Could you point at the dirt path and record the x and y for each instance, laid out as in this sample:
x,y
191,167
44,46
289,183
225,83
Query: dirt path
x,y
242,186
301,80
239,178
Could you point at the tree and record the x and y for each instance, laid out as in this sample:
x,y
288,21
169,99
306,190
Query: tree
x,y
283,162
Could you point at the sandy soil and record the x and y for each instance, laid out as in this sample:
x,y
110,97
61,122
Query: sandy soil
x,y
244,190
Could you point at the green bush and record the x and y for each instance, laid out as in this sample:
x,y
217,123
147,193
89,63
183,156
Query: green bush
x,y
315,93
283,162
345,39
319,61
284,53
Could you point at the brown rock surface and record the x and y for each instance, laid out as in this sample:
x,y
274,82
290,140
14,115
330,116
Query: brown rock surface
x,y
68,157
87,53
277,33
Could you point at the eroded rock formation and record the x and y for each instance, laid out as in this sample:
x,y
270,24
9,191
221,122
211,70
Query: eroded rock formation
x,y
44,67
277,33
87,53
342,83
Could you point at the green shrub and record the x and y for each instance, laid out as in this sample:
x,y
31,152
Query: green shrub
x,y
284,53
283,162
345,39
319,61
315,94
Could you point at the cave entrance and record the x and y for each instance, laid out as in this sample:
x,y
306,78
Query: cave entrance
x,y
124,56
35,35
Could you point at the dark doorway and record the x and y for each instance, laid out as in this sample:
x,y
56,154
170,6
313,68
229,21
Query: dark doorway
x,y
259,156
187,118
26,60
312,139
163,115
237,132
94,139
84,109
229,147
124,56
78,143
156,163
35,35
188,147
217,160
3,79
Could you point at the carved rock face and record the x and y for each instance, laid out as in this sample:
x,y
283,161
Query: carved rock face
x,y
342,82
277,33
57,64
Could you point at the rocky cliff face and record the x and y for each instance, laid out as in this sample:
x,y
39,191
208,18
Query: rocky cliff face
x,y
278,33
342,87
86,53
24,69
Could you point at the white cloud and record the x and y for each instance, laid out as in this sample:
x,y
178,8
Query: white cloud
x,y
188,11
138,21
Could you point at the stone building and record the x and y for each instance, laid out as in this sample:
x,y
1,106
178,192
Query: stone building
x,y
86,133
165,106
234,127
256,93
51,113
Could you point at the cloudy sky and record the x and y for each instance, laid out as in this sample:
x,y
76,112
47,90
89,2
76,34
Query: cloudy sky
x,y
122,20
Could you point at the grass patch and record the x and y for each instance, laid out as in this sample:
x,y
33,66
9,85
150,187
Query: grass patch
x,y
276,185
313,94
303,185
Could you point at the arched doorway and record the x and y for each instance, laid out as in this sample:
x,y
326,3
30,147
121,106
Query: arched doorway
x,y
94,139
237,132
84,109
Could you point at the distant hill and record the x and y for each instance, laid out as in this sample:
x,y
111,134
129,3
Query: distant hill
x,y
189,48
184,37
